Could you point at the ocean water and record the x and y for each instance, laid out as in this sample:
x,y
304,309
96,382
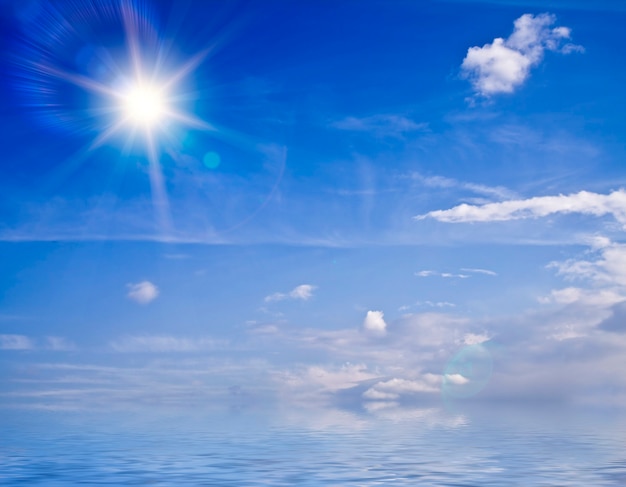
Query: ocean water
x,y
388,446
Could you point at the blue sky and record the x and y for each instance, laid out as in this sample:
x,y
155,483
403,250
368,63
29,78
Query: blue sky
x,y
342,204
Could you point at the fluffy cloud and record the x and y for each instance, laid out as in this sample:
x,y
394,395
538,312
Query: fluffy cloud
x,y
584,202
374,323
504,64
15,342
302,292
142,292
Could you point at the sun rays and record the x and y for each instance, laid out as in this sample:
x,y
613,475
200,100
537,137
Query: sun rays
x,y
137,102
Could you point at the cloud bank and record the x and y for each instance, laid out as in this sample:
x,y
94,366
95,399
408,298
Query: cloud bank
x,y
504,65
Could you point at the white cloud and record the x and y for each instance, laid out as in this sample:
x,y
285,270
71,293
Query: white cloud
x,y
608,269
475,338
427,273
504,64
432,304
375,323
396,387
381,125
303,292
15,342
376,395
584,202
142,292
586,297
487,272
456,379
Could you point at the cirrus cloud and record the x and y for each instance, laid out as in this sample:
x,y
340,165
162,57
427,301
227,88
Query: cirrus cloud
x,y
15,342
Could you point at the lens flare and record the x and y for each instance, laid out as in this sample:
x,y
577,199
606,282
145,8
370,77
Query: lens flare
x,y
467,373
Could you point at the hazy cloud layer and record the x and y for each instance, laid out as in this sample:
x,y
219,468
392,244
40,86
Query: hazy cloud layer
x,y
569,347
504,64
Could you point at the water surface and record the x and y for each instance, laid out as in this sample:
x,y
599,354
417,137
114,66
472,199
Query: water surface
x,y
391,446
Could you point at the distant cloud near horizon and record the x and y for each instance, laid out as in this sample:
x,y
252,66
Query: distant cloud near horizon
x,y
142,292
504,65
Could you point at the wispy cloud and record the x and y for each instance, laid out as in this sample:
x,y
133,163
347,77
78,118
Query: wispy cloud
x,y
486,272
607,268
497,192
16,342
429,273
381,125
584,202
142,292
59,344
504,65
430,304
164,343
302,292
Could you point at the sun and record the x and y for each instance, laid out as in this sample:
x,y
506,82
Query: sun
x,y
144,105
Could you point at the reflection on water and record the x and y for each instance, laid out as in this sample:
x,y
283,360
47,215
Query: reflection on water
x,y
393,447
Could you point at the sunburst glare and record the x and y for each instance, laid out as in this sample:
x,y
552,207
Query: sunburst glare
x,y
135,85
144,104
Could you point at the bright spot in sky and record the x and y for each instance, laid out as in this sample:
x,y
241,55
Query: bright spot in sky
x,y
145,105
